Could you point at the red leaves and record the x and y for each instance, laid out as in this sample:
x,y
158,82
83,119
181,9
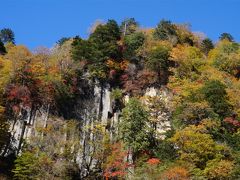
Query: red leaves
x,y
112,73
115,174
232,121
18,96
141,80
124,77
116,164
19,93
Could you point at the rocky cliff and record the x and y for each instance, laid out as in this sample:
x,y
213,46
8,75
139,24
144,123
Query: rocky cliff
x,y
98,108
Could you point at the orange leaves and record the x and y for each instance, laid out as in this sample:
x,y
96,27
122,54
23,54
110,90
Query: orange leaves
x,y
153,161
124,64
116,67
110,63
178,53
179,173
38,69
2,110
119,66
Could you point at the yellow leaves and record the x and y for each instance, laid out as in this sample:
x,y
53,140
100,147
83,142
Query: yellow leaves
x,y
116,65
178,53
233,85
219,169
208,124
96,128
222,43
190,61
2,109
111,63
225,57
150,43
233,95
18,55
211,73
153,45
124,64
183,53
212,55
5,72
184,87
186,81
220,48
194,146
38,68
147,31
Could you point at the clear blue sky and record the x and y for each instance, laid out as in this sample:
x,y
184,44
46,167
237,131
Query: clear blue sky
x,y
43,22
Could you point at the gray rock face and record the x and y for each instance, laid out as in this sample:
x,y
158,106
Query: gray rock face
x,y
98,108
158,103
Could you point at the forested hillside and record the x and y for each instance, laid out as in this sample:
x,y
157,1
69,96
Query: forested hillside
x,y
126,103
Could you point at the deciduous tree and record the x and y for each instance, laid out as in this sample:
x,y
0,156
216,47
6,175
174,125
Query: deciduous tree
x,y
134,130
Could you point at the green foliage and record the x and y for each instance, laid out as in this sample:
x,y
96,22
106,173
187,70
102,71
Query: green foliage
x,y
189,60
234,140
4,129
150,168
166,151
165,31
65,93
84,50
7,36
105,39
49,153
101,46
132,43
219,169
226,36
26,166
197,147
192,113
207,45
2,48
128,26
215,93
61,41
226,56
203,90
158,61
117,94
158,58
134,130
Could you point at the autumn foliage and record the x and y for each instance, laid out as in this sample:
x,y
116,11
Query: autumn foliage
x,y
188,129
179,173
117,164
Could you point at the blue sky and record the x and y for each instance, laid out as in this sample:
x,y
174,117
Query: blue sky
x,y
43,22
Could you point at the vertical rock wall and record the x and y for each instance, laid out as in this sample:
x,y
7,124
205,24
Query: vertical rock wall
x,y
96,108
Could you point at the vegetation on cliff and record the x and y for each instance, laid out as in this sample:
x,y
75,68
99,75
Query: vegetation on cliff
x,y
202,76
